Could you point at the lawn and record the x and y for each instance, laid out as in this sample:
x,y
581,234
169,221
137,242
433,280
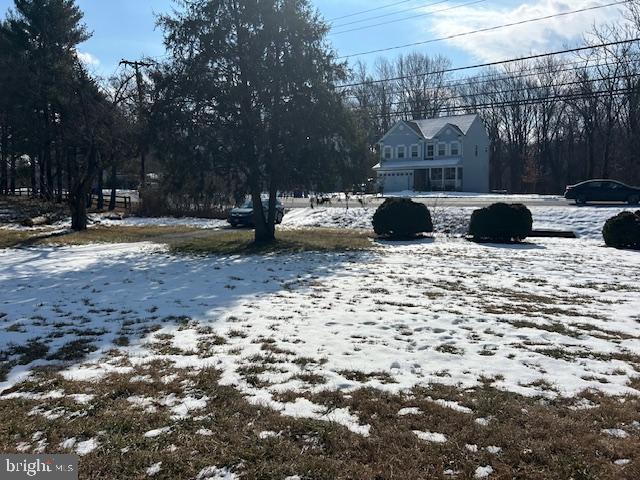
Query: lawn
x,y
192,240
329,356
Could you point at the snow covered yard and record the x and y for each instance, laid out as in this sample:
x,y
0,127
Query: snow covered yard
x,y
426,346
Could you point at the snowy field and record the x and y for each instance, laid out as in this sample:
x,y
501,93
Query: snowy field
x,y
552,318
418,351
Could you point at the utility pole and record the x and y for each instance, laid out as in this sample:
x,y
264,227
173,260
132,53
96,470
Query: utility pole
x,y
141,115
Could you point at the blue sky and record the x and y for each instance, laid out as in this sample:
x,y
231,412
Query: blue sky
x,y
126,28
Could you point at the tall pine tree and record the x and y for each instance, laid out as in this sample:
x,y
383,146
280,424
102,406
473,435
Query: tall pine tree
x,y
263,76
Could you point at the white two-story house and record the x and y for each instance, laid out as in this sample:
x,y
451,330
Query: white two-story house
x,y
439,154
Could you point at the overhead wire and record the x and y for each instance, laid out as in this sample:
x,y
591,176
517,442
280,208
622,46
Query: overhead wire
x,y
485,30
495,63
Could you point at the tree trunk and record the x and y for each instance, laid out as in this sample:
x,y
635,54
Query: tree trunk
x,y
80,190
12,175
58,174
112,200
590,157
262,233
77,203
605,160
41,173
271,218
100,205
70,154
49,172
34,180
4,157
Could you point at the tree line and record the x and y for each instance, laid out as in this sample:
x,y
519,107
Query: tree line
x,y
59,127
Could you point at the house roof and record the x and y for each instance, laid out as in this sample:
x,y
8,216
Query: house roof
x,y
431,127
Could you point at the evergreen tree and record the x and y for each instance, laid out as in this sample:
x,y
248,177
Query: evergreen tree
x,y
43,36
262,75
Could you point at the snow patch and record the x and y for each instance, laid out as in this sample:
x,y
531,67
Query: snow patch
x,y
68,444
86,447
409,411
430,436
483,472
215,473
157,432
154,469
615,432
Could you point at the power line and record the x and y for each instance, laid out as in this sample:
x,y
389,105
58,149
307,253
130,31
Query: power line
x,y
502,92
492,64
397,12
519,102
489,77
484,30
404,19
370,10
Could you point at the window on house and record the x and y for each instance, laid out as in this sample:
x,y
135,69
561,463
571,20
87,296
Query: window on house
x,y
455,149
388,153
460,173
442,149
401,152
415,151
476,150
449,173
436,174
430,150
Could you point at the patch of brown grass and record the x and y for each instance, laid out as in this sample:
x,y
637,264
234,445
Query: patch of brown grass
x,y
287,241
183,239
118,234
13,238
541,440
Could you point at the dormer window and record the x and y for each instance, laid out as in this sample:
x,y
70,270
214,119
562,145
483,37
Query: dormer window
x,y
455,149
442,149
388,153
415,151
402,152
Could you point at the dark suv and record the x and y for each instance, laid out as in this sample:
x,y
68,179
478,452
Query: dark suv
x,y
243,215
602,191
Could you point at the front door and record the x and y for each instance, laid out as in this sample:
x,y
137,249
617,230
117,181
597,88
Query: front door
x,y
420,180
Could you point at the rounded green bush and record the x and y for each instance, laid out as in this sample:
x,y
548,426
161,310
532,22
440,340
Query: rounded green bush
x,y
402,218
501,223
623,231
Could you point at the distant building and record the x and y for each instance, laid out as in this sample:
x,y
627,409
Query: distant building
x,y
439,154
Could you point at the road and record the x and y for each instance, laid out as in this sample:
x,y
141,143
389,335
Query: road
x,y
444,201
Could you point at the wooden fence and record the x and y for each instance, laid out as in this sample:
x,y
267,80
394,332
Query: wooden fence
x,y
122,201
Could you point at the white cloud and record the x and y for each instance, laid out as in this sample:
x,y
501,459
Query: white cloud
x,y
88,59
535,37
